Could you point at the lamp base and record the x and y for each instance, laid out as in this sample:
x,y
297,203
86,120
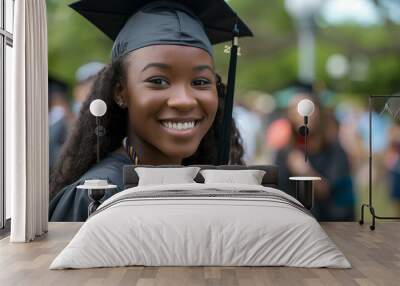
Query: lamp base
x,y
374,216
305,193
305,190
95,196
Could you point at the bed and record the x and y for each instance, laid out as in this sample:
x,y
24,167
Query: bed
x,y
201,224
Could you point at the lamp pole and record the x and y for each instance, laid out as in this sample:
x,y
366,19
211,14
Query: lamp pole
x,y
98,108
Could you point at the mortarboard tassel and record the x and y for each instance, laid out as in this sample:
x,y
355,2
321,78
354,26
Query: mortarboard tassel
x,y
225,128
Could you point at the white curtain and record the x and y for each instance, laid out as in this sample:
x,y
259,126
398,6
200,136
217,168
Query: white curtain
x,y
26,124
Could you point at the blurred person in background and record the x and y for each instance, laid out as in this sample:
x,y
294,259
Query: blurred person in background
x,y
62,114
59,113
252,116
249,124
264,105
392,163
381,123
334,195
348,113
84,76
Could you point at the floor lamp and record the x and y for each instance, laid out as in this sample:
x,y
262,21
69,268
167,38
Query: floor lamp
x,y
370,202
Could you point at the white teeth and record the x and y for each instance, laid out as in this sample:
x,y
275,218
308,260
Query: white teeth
x,y
179,125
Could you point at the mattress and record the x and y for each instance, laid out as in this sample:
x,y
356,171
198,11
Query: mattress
x,y
201,225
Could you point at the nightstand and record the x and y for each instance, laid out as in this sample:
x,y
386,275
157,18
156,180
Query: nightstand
x,y
96,194
305,190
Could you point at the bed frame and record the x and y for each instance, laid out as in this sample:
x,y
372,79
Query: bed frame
x,y
270,179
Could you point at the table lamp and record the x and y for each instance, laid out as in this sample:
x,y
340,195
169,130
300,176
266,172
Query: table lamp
x,y
305,108
96,187
98,108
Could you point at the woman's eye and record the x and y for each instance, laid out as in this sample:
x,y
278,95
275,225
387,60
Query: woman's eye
x,y
201,82
158,81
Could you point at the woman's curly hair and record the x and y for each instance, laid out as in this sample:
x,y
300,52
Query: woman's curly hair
x,y
78,154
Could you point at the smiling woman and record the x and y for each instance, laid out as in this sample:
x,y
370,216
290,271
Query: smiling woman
x,y
171,96
165,101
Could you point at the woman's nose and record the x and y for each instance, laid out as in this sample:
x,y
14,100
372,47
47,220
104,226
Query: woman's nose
x,y
182,99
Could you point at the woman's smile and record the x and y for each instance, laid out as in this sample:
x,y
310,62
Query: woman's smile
x,y
183,127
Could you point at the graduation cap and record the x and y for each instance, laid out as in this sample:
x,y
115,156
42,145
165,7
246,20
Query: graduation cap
x,y
133,24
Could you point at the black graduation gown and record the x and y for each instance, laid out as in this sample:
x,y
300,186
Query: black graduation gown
x,y
71,204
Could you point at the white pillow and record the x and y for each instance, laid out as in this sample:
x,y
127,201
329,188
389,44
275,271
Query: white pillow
x,y
248,177
163,176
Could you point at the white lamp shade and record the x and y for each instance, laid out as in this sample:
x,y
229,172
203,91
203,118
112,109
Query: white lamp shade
x,y
98,107
305,107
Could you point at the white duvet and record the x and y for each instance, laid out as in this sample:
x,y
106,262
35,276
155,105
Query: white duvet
x,y
206,230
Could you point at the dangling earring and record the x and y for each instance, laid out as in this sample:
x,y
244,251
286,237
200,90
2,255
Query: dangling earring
x,y
122,105
120,102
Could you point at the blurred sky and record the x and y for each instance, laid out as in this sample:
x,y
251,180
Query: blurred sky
x,y
362,12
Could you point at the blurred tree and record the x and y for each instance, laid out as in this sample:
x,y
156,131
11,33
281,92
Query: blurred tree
x,y
268,61
72,41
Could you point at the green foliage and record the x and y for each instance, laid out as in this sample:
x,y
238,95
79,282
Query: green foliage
x,y
72,41
269,60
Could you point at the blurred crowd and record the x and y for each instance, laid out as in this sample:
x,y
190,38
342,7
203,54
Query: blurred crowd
x,y
337,142
338,146
63,111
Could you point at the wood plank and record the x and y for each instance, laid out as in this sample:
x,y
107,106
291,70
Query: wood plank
x,y
374,255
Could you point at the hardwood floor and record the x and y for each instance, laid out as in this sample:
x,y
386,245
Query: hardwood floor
x,y
374,255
